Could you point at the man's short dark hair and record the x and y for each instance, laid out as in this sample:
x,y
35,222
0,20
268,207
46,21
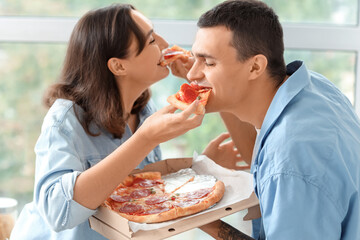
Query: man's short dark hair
x,y
256,30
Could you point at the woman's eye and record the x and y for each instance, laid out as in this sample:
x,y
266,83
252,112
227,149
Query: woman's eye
x,y
209,64
152,41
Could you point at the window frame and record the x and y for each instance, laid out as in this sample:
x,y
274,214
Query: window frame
x,y
182,32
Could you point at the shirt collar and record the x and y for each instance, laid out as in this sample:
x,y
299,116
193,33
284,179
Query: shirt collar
x,y
146,112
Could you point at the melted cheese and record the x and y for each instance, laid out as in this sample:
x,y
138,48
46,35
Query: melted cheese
x,y
186,180
175,180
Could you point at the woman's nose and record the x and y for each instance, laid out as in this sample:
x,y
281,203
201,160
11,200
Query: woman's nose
x,y
162,42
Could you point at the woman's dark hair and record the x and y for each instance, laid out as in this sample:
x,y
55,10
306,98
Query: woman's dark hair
x,y
85,78
256,30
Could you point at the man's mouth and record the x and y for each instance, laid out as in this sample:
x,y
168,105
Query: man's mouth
x,y
202,84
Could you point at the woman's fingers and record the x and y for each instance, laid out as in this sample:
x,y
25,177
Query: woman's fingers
x,y
167,109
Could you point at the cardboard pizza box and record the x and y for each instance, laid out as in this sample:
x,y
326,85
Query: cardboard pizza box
x,y
114,227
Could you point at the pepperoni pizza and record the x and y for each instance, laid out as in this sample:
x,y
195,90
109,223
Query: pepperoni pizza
x,y
149,198
187,94
173,53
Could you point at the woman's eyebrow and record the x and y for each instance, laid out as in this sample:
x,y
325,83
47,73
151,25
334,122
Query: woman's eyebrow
x,y
149,33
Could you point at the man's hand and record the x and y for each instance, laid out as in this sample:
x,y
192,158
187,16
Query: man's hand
x,y
224,154
181,66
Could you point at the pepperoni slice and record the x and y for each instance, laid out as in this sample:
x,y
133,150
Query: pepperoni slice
x,y
187,202
131,208
190,94
120,199
156,210
199,193
155,200
199,88
146,183
140,193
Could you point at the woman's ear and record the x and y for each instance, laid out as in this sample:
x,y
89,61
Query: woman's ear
x,y
258,66
116,66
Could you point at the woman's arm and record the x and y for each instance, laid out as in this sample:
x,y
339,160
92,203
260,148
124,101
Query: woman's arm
x,y
94,185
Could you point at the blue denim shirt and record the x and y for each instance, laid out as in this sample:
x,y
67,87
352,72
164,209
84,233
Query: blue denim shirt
x,y
63,151
307,163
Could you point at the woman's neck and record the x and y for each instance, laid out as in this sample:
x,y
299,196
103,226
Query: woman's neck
x,y
130,91
133,122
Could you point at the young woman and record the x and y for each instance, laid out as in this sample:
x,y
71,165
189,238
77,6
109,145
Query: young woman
x,y
98,128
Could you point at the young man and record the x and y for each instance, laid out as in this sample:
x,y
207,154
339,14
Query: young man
x,y
306,161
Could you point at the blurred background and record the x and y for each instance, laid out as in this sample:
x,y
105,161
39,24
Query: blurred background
x,y
322,33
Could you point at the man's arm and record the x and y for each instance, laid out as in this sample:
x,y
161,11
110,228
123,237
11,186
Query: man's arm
x,y
221,230
243,135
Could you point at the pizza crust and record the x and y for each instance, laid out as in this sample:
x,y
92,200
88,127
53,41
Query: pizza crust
x,y
152,218
183,105
215,196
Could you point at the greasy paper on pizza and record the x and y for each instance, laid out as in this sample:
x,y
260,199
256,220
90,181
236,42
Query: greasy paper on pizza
x,y
149,197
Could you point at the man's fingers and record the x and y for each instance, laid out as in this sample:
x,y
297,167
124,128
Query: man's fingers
x,y
227,144
219,139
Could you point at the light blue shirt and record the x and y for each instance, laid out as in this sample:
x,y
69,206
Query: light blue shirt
x,y
63,151
307,164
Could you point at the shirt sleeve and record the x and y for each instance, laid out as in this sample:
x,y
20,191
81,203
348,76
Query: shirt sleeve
x,y
296,208
57,167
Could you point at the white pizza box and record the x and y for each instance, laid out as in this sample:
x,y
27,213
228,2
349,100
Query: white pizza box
x,y
111,225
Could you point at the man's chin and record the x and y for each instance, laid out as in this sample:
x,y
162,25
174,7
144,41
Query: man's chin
x,y
211,107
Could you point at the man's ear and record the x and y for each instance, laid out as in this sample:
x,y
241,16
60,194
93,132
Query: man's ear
x,y
116,66
258,66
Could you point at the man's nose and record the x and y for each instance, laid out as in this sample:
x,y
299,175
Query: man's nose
x,y
195,73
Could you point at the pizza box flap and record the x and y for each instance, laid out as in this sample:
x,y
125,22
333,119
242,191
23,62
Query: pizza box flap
x,y
113,226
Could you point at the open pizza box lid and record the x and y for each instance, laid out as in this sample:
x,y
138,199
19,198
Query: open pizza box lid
x,y
111,225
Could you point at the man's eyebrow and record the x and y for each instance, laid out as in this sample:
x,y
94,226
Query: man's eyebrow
x,y
203,55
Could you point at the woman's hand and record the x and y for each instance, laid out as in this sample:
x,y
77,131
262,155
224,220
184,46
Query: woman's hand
x,y
165,124
181,66
224,154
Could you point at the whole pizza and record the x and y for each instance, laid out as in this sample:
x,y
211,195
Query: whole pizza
x,y
150,198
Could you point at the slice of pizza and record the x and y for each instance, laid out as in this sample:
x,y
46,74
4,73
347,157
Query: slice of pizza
x,y
173,53
187,94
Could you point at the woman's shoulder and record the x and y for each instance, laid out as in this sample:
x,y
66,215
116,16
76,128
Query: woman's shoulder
x,y
62,111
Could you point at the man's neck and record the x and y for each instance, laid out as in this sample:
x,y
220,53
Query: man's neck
x,y
255,108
